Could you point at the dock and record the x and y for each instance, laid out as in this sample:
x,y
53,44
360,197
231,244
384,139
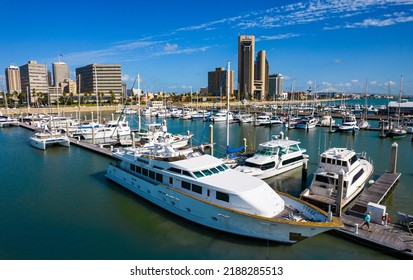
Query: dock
x,y
391,238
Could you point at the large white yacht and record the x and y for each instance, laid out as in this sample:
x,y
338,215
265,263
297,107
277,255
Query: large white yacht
x,y
274,157
202,189
323,189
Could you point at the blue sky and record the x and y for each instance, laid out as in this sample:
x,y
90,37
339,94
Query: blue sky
x,y
337,44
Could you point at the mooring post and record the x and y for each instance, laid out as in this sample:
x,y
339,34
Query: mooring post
x,y
393,159
93,135
304,172
339,196
132,135
211,138
245,145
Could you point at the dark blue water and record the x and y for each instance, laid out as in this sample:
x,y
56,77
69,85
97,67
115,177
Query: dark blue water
x,y
57,204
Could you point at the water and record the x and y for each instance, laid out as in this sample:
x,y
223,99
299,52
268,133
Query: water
x,y
57,204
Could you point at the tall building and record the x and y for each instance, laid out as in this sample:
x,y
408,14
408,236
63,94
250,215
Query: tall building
x,y
34,81
246,66
275,86
217,82
61,75
261,81
104,78
13,83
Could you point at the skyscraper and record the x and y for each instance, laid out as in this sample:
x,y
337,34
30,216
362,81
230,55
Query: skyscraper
x,y
34,80
217,82
104,78
275,86
246,66
261,82
13,83
61,75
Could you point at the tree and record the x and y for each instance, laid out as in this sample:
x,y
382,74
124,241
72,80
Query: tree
x,y
112,97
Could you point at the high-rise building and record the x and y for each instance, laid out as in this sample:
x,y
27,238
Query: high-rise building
x,y
13,83
261,82
275,86
61,75
246,66
102,78
34,81
217,82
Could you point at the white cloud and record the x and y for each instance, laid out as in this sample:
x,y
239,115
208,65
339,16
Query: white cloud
x,y
170,47
277,37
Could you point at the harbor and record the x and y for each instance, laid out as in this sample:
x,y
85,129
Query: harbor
x,y
292,182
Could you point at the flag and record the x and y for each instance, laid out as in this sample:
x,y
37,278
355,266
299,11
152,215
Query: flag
x,y
60,54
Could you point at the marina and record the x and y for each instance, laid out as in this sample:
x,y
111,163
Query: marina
x,y
197,126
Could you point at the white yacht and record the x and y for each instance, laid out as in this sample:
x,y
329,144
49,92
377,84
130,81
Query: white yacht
x,y
326,120
262,120
349,124
158,132
42,139
274,157
221,116
323,189
202,189
111,129
306,123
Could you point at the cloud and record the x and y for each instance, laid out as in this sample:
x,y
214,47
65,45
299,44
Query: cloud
x,y
277,37
170,47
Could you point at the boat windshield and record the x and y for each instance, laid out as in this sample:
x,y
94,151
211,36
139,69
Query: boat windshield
x,y
267,151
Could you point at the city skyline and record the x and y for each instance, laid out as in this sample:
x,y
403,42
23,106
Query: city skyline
x,y
173,45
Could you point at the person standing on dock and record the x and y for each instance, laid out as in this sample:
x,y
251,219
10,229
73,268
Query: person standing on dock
x,y
366,221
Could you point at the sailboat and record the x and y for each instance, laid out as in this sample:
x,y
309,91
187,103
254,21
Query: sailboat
x,y
363,123
398,131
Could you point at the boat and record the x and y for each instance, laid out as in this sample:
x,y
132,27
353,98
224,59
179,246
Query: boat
x,y
262,120
306,123
202,189
275,120
221,116
126,111
349,124
158,132
274,157
397,131
323,189
111,129
326,120
245,118
44,138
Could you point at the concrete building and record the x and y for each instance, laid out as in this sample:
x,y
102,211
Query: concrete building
x,y
34,81
261,81
217,82
13,83
275,90
246,75
61,75
102,78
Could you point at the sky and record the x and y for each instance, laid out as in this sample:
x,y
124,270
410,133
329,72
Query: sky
x,y
344,45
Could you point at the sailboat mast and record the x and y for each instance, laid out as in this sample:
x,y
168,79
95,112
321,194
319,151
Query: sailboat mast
x,y
400,100
228,66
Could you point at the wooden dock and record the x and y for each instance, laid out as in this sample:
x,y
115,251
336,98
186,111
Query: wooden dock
x,y
392,238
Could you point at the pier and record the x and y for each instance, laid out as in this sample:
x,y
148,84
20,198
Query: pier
x,y
389,237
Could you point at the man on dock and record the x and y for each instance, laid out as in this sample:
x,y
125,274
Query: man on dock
x,y
366,221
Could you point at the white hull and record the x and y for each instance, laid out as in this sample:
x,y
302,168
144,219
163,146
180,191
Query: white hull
x,y
221,218
43,143
264,174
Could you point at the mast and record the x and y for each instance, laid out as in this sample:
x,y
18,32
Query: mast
x,y
97,94
400,100
228,66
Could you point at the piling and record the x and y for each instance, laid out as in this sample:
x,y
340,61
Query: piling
x,y
339,197
245,145
132,136
211,139
393,158
304,172
93,135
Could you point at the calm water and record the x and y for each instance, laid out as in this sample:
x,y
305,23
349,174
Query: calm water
x,y
57,204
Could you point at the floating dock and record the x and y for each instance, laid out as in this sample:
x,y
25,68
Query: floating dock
x,y
391,238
